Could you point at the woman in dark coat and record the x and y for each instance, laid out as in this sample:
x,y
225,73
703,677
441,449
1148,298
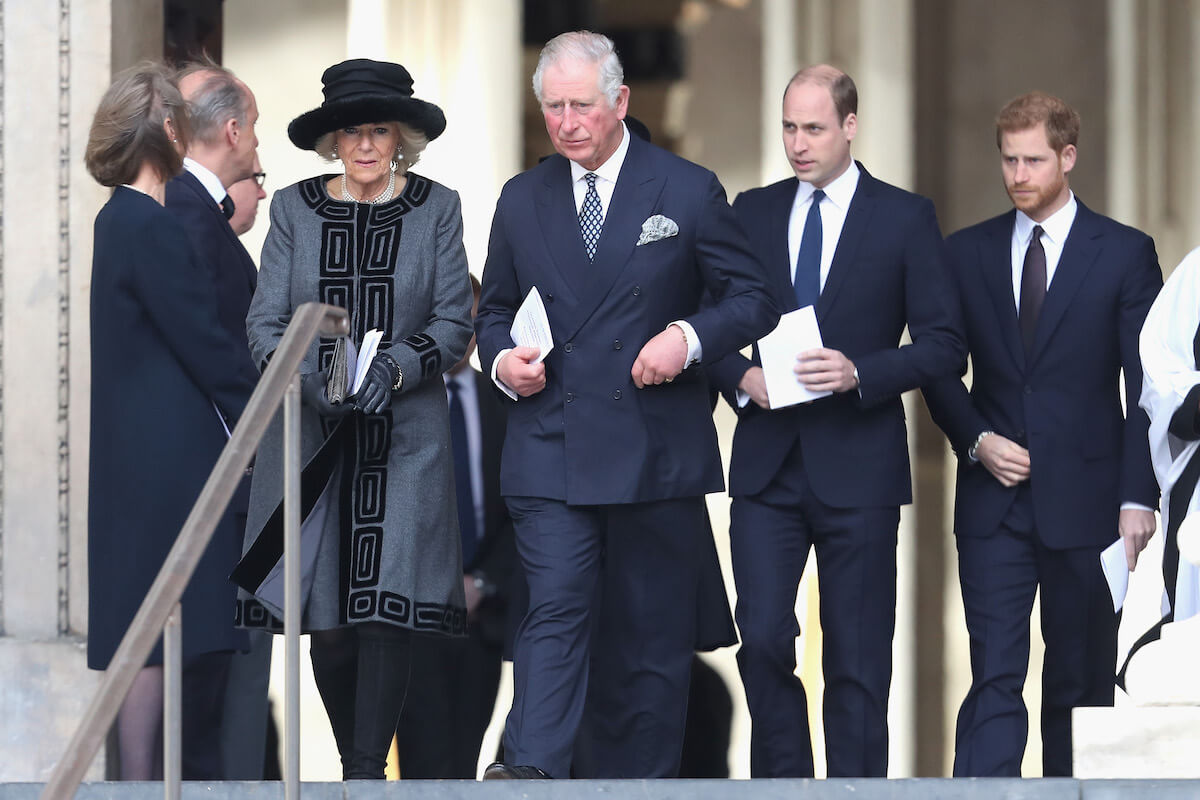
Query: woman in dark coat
x,y
162,396
385,244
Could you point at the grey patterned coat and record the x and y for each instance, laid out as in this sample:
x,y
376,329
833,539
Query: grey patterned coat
x,y
389,546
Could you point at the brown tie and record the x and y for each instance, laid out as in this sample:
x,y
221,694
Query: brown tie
x,y
1033,288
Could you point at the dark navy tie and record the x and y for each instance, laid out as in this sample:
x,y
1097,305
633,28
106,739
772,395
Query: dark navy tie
x,y
462,473
807,282
590,218
227,207
1033,288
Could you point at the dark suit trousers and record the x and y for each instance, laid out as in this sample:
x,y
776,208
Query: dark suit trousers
x,y
640,672
1000,575
202,686
770,535
452,694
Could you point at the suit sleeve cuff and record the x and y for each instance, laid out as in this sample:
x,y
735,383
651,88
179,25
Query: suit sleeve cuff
x,y
501,385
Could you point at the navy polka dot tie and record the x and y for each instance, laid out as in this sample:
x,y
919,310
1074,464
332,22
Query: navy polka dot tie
x,y
590,218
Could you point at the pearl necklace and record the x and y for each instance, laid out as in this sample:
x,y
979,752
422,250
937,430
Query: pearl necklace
x,y
382,197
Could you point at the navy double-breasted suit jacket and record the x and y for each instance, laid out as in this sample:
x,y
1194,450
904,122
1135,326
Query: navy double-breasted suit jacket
x,y
1062,402
590,436
888,271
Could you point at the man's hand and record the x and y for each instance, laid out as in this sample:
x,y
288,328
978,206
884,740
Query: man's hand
x,y
1005,459
1136,526
518,371
754,383
825,370
473,595
661,359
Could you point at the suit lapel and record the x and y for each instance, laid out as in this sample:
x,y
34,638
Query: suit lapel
x,y
996,258
205,199
854,230
779,258
1078,254
560,224
633,201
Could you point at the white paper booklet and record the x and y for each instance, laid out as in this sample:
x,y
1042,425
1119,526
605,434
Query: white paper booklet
x,y
531,326
796,332
366,354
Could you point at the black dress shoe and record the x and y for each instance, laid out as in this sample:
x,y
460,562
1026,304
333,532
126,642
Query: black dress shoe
x,y
503,772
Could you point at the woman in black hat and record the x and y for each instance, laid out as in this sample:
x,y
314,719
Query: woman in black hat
x,y
386,245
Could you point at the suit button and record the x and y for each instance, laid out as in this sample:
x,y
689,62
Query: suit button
x,y
617,344
1028,390
568,347
549,297
570,397
617,394
637,290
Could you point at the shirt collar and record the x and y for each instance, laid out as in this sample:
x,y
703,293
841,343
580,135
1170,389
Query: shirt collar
x,y
610,169
1055,227
839,191
208,179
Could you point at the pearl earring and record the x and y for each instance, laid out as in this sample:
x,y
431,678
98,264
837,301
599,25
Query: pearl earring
x,y
335,153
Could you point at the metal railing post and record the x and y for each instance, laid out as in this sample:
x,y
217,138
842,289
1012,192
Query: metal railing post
x,y
173,704
291,588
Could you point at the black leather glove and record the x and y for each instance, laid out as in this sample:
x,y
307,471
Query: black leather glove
x,y
312,394
375,394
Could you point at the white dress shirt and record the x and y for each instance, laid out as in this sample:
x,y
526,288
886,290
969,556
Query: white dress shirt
x,y
208,179
1055,229
838,195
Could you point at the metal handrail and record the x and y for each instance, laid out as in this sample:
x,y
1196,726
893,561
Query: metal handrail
x,y
162,601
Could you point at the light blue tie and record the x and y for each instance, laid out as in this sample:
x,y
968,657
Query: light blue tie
x,y
807,282
590,218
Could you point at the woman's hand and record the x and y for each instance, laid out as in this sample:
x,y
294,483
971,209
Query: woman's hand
x,y
375,395
312,394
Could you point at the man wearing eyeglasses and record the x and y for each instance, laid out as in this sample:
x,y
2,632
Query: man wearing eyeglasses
x,y
222,151
246,195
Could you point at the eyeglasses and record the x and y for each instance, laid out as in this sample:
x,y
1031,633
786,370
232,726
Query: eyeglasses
x,y
260,178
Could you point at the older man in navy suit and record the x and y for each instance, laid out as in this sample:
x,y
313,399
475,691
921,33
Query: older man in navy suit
x,y
831,475
1051,470
610,445
222,152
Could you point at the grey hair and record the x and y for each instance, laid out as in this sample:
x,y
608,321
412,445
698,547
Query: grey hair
x,y
588,47
412,144
220,98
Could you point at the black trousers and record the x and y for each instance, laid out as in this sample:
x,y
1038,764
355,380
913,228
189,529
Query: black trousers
x,y
770,536
1000,574
450,701
361,672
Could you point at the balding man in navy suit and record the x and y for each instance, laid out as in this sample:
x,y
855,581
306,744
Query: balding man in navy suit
x,y
831,475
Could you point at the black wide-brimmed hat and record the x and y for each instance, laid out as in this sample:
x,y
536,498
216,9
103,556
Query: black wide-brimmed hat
x,y
361,90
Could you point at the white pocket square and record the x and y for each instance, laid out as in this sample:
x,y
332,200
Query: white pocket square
x,y
657,227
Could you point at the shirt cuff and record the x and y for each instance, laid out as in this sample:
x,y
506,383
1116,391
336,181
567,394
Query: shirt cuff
x,y
1136,507
501,385
741,397
695,351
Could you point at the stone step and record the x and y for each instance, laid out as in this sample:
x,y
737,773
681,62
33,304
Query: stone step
x,y
859,789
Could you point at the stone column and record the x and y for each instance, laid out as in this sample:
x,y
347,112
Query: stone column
x,y
55,64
